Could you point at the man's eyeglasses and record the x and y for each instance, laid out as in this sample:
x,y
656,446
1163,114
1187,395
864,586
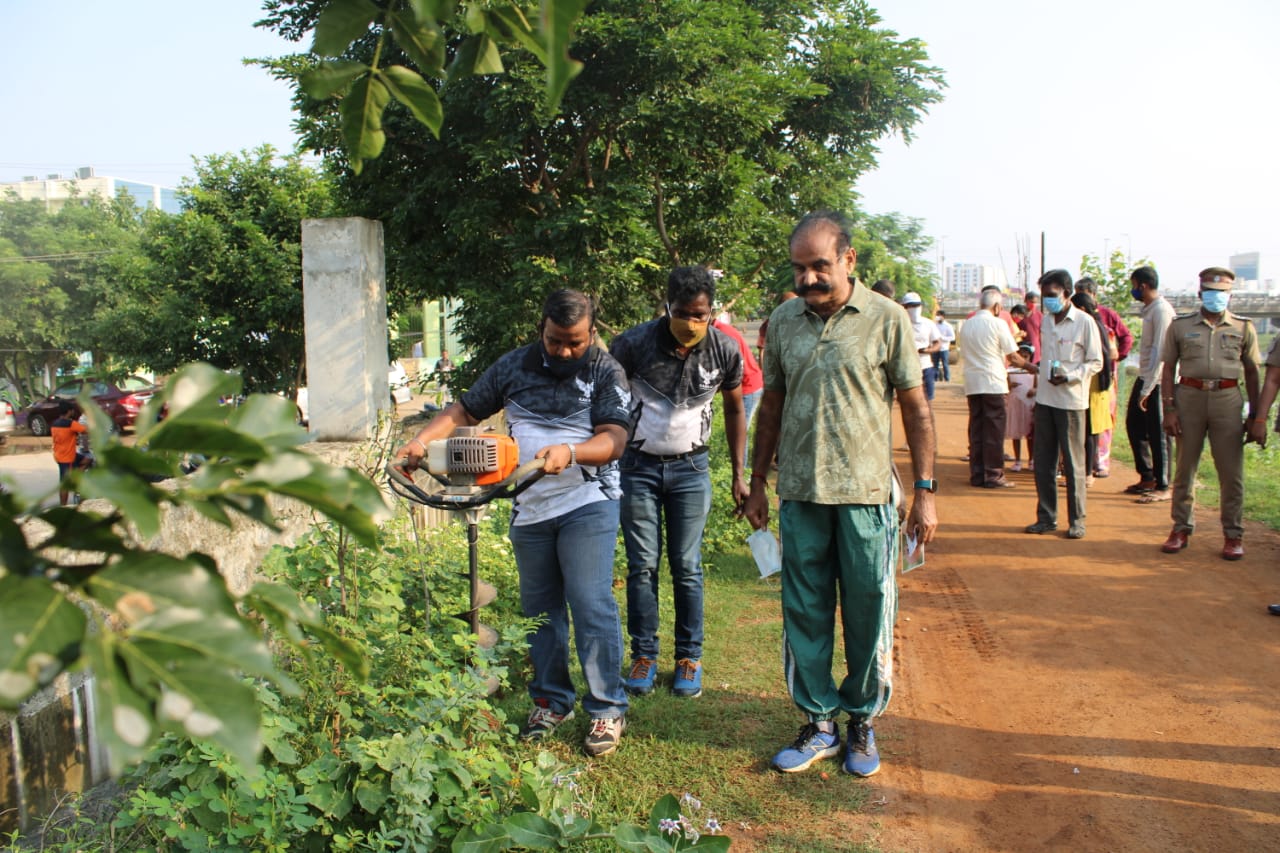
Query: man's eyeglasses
x,y
689,316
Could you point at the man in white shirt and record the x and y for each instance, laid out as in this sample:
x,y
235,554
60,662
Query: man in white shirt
x,y
1152,448
988,349
942,358
928,341
1070,354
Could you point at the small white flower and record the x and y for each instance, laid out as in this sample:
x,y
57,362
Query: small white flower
x,y
713,825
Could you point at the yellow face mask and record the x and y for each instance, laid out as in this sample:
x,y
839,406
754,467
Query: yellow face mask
x,y
688,332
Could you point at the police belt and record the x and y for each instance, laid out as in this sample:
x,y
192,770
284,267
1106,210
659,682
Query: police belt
x,y
1208,384
674,457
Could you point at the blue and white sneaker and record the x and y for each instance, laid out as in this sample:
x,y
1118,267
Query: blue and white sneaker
x,y
812,744
687,681
639,680
861,758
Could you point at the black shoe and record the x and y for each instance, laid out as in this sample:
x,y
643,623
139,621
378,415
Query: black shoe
x,y
1273,609
1041,527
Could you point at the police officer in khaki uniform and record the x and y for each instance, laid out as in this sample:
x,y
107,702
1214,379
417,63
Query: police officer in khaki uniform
x,y
1210,349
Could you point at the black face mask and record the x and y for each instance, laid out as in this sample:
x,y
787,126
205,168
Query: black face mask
x,y
563,368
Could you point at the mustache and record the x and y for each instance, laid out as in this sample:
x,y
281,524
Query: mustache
x,y
816,287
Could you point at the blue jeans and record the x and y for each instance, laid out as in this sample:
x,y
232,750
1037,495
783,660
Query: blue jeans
x,y
566,564
942,365
930,376
749,402
674,495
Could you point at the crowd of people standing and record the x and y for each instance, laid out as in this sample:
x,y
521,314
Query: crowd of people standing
x,y
624,436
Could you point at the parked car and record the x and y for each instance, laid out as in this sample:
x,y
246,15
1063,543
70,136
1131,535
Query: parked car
x,y
121,402
397,378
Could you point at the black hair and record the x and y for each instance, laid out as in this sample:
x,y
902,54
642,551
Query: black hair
x,y
1086,303
1018,308
1086,284
1147,276
832,219
567,307
1059,278
685,283
1084,300
884,287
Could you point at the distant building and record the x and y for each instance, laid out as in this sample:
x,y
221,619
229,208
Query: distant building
x,y
971,278
55,190
1246,266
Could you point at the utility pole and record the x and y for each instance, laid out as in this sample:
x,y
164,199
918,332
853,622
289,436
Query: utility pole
x,y
1041,253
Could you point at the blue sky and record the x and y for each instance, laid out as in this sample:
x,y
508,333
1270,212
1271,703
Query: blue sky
x,y
1134,123
1123,123
135,88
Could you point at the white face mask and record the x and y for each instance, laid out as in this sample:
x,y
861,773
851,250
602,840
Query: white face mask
x,y
914,313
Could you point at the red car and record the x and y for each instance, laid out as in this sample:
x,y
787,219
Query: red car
x,y
121,402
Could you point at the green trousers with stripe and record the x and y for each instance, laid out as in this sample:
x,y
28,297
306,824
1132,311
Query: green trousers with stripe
x,y
843,555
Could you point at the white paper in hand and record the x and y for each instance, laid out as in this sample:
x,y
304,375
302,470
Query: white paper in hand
x,y
767,552
913,549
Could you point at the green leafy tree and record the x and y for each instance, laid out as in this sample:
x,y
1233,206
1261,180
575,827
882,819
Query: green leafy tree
x,y
696,132
221,282
894,246
408,46
1112,277
54,267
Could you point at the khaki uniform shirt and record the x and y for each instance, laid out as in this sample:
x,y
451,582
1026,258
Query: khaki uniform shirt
x,y
839,376
1273,354
1204,351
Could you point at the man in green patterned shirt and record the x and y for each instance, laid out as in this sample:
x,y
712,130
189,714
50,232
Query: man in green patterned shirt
x,y
833,360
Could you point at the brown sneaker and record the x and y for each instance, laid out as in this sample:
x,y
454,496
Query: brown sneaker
x,y
604,734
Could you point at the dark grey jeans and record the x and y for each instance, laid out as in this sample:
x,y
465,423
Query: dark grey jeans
x,y
1060,432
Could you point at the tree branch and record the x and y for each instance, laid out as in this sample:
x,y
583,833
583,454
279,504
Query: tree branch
x,y
659,201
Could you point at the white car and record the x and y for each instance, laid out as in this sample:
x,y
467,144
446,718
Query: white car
x,y
397,378
7,422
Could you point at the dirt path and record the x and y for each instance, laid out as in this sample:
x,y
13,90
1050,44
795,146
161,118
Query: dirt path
x,y
1079,695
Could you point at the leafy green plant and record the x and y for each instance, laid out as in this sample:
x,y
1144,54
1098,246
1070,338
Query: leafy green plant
x,y
418,31
668,829
167,641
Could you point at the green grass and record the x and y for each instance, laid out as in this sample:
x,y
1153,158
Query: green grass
x,y
718,747
1261,467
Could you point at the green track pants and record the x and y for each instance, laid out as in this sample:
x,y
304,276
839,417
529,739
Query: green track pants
x,y
844,554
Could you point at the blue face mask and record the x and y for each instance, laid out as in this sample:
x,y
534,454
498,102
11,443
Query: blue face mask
x,y
1136,293
1053,304
1215,301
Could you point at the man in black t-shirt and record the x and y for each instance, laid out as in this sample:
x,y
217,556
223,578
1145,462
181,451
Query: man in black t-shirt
x,y
566,401
677,364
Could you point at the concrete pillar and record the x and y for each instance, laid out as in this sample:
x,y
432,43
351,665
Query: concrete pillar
x,y
344,299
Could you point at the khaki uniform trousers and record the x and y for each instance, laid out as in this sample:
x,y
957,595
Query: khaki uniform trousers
x,y
1216,414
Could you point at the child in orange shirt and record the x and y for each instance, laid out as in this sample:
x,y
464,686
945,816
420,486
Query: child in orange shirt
x,y
64,431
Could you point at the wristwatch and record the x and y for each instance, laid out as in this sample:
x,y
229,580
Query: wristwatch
x,y
929,485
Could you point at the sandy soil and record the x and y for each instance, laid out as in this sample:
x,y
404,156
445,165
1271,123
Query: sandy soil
x,y
1079,695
